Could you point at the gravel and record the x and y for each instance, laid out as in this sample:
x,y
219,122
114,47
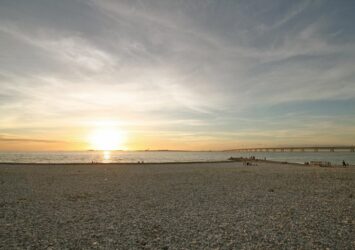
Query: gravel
x,y
176,206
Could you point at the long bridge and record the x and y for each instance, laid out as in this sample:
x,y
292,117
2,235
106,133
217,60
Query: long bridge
x,y
299,149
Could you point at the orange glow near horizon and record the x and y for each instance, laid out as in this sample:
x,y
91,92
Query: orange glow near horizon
x,y
107,139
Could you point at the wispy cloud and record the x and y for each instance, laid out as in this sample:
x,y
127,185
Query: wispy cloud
x,y
194,67
11,139
72,50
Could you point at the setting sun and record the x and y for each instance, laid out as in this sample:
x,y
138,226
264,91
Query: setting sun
x,y
107,139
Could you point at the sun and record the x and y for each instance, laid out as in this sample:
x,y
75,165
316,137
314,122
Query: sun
x,y
107,139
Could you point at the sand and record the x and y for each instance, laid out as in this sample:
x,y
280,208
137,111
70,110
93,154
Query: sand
x,y
176,206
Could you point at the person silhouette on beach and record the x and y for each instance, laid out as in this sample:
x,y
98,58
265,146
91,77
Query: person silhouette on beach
x,y
344,163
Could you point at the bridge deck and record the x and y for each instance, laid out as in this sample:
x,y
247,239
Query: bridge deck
x,y
302,149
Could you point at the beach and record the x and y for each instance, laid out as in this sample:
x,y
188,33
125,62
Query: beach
x,y
176,206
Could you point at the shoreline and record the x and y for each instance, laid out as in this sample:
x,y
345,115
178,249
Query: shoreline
x,y
147,163
168,163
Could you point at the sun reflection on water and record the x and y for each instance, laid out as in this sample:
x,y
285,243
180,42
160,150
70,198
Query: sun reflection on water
x,y
107,156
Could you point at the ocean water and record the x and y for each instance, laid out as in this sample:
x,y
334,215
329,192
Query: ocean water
x,y
169,156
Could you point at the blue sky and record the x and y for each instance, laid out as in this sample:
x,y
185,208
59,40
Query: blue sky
x,y
177,74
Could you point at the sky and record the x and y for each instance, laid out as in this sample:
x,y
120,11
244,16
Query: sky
x,y
195,75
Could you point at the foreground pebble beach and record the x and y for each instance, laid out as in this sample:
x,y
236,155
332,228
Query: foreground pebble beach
x,y
176,206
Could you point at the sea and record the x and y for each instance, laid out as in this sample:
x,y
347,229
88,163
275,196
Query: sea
x,y
335,158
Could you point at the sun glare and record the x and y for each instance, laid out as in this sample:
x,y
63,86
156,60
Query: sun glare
x,y
107,139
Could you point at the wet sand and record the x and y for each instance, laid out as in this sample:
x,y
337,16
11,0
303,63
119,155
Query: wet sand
x,y
176,206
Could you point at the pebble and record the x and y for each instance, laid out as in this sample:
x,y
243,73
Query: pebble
x,y
180,206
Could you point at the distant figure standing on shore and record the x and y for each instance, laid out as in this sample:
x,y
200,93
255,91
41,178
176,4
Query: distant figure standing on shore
x,y
344,164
